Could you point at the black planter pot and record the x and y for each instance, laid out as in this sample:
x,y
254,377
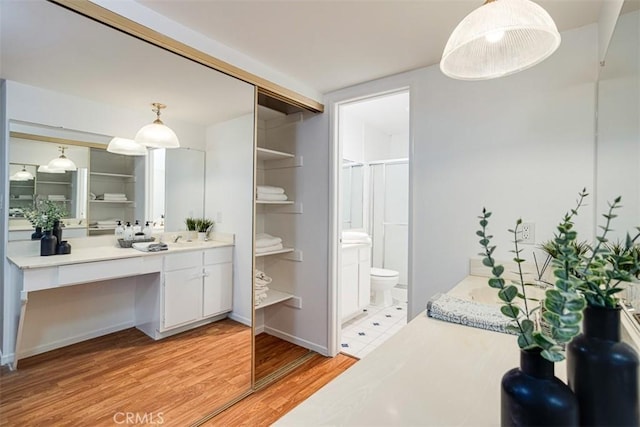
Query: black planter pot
x,y
603,372
48,244
57,231
532,396
37,235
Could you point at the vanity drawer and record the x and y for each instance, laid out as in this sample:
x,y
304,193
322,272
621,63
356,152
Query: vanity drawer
x,y
218,255
182,260
96,271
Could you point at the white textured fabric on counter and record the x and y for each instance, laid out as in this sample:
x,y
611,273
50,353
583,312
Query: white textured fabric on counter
x,y
271,248
267,189
272,197
264,240
468,313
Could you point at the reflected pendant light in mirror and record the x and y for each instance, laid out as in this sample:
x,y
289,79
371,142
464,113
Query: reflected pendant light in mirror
x,y
499,38
125,146
157,134
45,169
62,162
23,175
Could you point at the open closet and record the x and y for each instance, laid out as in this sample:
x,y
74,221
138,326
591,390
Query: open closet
x,y
280,293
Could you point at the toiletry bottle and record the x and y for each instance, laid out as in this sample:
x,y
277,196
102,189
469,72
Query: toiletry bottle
x,y
119,230
147,230
136,227
128,232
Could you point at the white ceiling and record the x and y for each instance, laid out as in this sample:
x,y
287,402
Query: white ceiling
x,y
388,113
330,44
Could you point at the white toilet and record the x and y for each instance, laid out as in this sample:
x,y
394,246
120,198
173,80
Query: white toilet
x,y
382,281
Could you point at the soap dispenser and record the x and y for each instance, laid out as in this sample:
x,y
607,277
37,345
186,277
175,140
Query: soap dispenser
x,y
128,232
147,230
136,227
119,230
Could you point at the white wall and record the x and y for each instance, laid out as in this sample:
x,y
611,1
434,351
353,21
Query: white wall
x,y
55,109
619,126
522,146
229,201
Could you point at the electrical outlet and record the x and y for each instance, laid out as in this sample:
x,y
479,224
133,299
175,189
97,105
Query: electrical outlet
x,y
528,236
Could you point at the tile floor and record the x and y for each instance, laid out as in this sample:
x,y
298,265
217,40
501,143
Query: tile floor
x,y
374,326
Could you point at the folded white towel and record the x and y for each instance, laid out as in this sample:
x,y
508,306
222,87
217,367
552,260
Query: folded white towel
x,y
58,197
259,299
272,197
261,291
468,313
267,189
115,195
263,240
269,248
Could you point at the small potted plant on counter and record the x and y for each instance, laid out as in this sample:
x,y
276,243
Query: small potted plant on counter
x,y
46,215
601,369
202,226
531,394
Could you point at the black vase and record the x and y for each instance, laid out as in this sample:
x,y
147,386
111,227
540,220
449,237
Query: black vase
x,y
48,244
37,235
603,372
57,230
532,396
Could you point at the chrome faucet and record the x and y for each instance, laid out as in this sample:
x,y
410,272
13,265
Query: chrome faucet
x,y
178,237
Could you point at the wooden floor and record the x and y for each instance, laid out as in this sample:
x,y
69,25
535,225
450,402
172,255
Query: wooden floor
x,y
179,379
267,405
273,354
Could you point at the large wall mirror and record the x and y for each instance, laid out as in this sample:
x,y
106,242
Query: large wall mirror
x,y
618,132
65,73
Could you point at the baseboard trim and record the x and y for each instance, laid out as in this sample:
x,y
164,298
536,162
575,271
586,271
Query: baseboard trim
x,y
323,350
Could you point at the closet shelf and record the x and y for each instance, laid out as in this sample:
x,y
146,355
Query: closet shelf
x,y
267,154
54,182
113,201
275,202
279,251
113,175
274,297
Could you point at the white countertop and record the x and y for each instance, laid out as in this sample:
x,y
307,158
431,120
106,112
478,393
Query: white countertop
x,y
431,373
104,252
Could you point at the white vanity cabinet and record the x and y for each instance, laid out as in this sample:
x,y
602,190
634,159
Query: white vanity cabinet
x,y
355,280
196,286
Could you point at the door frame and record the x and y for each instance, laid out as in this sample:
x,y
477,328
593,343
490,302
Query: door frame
x,y
388,86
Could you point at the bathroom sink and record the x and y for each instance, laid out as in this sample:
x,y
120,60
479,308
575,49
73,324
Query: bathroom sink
x,y
186,244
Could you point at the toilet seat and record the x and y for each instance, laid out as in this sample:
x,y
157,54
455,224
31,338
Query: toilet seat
x,y
383,272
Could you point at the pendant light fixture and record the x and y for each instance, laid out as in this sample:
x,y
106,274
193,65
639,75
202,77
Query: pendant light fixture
x,y
62,162
499,38
23,175
45,169
125,146
157,134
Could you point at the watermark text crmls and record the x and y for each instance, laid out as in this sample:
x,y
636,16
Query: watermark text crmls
x,y
149,418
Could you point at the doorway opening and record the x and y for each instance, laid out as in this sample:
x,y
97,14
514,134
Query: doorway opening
x,y
373,135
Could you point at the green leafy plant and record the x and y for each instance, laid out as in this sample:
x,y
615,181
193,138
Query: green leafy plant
x,y
563,304
200,225
45,214
203,224
190,223
599,271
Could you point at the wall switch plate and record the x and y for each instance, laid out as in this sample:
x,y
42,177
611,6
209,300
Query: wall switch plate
x,y
528,236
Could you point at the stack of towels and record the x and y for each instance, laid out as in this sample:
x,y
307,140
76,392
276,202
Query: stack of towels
x,y
56,197
104,224
267,243
260,291
113,197
270,194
